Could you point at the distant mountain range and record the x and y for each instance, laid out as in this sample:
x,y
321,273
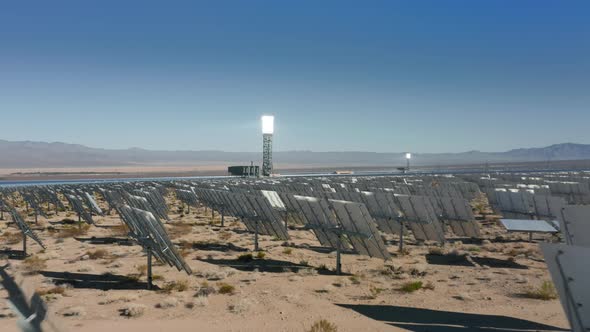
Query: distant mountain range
x,y
54,155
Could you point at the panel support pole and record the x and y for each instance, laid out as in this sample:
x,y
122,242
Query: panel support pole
x,y
401,236
338,256
149,269
256,235
222,219
24,246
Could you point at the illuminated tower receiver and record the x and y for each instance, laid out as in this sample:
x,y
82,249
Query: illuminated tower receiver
x,y
267,131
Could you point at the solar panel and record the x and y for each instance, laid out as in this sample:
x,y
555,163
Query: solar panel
x,y
421,218
570,275
149,232
25,229
458,214
528,226
341,224
274,199
32,202
360,229
78,207
91,203
575,225
31,311
187,197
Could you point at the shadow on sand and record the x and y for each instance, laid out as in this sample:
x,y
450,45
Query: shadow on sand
x,y
12,254
265,265
95,281
426,320
462,260
212,246
105,240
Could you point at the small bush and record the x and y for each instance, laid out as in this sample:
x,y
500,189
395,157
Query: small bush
x,y
178,286
246,258
354,279
288,251
73,231
119,230
205,290
11,238
224,236
260,255
437,251
544,292
411,286
429,285
33,264
98,254
132,310
323,325
226,289
142,270
375,291
49,291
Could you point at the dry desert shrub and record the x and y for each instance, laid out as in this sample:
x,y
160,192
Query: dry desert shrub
x,y
72,231
226,289
288,251
132,310
119,230
73,312
411,286
175,286
98,254
240,307
546,291
51,291
354,279
170,302
178,229
224,236
323,325
437,251
11,238
32,265
246,258
205,290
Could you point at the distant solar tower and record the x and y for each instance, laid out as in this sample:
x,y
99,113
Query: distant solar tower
x,y
408,157
267,131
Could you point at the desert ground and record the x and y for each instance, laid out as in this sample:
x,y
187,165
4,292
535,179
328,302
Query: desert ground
x,y
93,279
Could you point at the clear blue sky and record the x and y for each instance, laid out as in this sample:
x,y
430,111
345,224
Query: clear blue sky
x,y
423,76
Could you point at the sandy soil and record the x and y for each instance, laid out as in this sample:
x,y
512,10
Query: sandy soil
x,y
477,284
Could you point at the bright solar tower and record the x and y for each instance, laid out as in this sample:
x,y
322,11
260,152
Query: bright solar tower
x,y
408,157
267,131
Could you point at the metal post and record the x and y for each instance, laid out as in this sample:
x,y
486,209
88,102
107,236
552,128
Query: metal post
x,y
222,219
1,214
27,205
36,218
338,258
401,237
24,246
189,208
530,237
256,235
212,214
79,221
149,269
